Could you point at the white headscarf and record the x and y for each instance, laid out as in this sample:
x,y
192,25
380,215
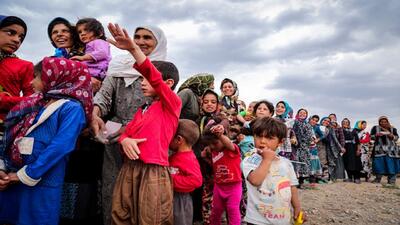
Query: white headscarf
x,y
122,65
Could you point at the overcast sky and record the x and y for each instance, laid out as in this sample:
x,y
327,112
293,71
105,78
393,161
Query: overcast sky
x,y
326,56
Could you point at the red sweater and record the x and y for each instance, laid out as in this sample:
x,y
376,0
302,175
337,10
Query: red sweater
x,y
15,76
160,121
226,166
185,171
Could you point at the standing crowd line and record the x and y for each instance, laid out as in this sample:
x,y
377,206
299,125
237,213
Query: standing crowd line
x,y
90,138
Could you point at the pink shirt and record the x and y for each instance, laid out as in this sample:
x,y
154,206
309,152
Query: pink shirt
x,y
158,123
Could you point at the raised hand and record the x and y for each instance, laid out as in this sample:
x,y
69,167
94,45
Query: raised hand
x,y
121,38
124,42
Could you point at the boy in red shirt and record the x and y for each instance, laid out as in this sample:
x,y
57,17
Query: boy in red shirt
x,y
185,170
143,190
226,160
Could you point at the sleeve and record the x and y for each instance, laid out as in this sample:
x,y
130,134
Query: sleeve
x,y
396,136
357,139
373,133
168,98
188,178
27,74
98,49
291,173
185,98
250,163
341,137
104,97
71,122
7,102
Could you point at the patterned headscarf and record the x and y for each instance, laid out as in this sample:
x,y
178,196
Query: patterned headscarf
x,y
62,78
288,114
198,83
358,124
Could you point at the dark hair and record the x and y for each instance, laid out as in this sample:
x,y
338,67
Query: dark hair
x,y
315,116
168,71
267,103
38,68
332,114
269,128
188,130
93,25
60,20
6,21
224,81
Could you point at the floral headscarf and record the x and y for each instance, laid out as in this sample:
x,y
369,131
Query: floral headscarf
x,y
198,83
62,78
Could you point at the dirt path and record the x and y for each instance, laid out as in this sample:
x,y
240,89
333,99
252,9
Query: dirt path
x,y
350,203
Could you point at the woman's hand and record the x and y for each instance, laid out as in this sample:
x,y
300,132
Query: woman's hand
x,y
4,180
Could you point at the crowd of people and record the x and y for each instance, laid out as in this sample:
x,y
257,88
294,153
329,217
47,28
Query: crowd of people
x,y
90,138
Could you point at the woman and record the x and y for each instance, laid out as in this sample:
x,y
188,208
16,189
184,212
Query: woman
x,y
118,99
15,74
228,102
351,158
83,172
334,151
364,138
190,93
386,154
284,113
64,38
303,131
41,131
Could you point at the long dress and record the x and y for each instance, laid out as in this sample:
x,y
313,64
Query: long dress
x,y
334,158
365,138
352,161
386,154
304,134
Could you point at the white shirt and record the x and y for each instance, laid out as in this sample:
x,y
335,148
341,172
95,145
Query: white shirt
x,y
270,203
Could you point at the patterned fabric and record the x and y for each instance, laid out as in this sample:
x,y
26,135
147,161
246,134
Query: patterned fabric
x,y
288,114
3,56
61,78
228,102
198,83
304,134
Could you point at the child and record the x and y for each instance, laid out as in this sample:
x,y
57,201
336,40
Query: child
x,y
97,51
15,73
185,170
143,190
227,175
270,179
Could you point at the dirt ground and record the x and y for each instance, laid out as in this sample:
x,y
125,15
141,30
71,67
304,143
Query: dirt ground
x,y
350,203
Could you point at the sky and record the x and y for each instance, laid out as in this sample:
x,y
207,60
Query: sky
x,y
326,56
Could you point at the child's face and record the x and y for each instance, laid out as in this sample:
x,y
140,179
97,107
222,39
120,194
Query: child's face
x,y
228,89
145,40
251,107
85,35
280,109
216,145
326,122
363,126
266,143
148,90
313,121
345,124
61,36
11,38
37,84
333,118
209,103
262,111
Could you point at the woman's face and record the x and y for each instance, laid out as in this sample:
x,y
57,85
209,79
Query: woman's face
x,y
228,89
280,109
313,121
61,36
11,38
326,122
363,126
263,111
384,123
346,124
302,114
209,103
145,40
